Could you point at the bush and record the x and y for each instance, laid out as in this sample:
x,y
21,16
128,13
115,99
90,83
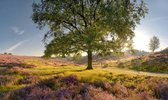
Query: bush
x,y
67,94
30,93
70,88
89,92
119,90
30,80
14,70
104,85
52,83
71,79
7,80
140,96
161,90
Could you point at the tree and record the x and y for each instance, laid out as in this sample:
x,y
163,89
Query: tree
x,y
91,26
154,43
58,47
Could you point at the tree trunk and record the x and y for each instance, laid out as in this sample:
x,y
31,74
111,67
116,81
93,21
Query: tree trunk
x,y
63,54
89,67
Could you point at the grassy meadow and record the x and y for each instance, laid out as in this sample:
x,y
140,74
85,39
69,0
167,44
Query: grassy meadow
x,y
37,78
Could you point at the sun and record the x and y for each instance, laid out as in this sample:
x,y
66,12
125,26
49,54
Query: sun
x,y
141,40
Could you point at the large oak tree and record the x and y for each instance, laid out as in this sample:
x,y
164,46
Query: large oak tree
x,y
91,26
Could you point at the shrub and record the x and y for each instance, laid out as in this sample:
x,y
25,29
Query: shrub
x,y
119,90
14,70
30,93
89,92
67,94
140,96
7,80
52,83
27,66
71,79
30,80
161,90
104,85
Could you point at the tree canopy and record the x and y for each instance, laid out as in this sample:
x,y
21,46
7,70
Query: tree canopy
x,y
91,26
154,43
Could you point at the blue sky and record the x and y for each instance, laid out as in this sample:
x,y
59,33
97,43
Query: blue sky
x,y
19,35
155,23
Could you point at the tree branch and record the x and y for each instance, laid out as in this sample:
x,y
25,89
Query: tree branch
x,y
71,24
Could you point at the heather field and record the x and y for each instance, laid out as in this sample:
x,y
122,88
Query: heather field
x,y
32,78
83,50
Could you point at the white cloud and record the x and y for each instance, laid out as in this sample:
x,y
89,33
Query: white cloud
x,y
17,30
13,47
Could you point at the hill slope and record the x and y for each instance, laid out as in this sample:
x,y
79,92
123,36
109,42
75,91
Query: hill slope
x,y
154,62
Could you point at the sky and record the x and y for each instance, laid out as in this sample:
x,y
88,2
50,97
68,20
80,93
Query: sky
x,y
20,36
154,24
